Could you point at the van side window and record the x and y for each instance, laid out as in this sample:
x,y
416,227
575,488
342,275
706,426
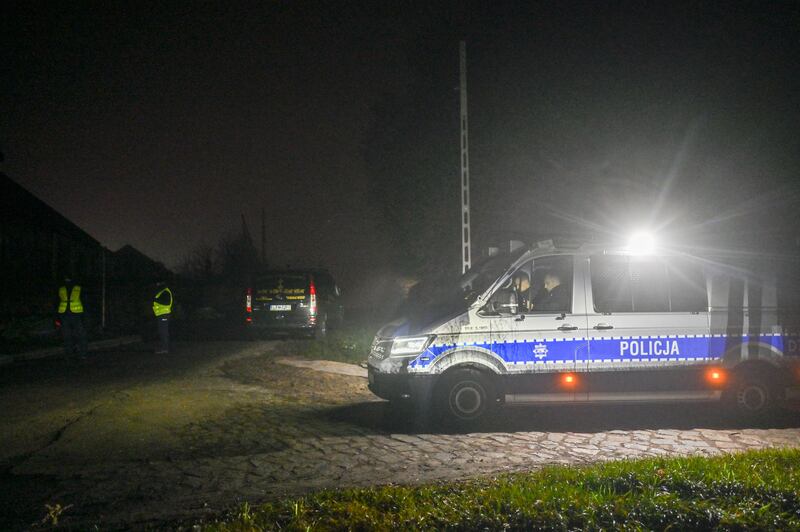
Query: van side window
x,y
611,284
324,284
649,285
625,284
543,286
687,287
551,285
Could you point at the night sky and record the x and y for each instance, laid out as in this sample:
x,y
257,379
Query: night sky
x,y
158,125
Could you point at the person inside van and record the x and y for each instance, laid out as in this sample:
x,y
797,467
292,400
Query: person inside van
x,y
522,286
554,297
512,297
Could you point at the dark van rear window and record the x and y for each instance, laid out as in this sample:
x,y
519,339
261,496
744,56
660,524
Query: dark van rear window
x,y
287,286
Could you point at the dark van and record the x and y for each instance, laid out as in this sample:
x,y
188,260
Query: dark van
x,y
306,302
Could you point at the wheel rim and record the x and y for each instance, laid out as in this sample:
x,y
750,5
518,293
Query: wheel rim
x,y
752,398
466,400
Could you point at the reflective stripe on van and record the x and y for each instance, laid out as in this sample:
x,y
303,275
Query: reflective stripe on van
x,y
607,350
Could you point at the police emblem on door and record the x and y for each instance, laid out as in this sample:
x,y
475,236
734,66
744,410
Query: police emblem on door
x,y
540,351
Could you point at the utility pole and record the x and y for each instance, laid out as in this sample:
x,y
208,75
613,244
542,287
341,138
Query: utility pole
x,y
103,304
263,238
466,258
245,231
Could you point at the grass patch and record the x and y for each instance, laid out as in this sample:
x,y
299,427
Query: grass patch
x,y
349,344
753,490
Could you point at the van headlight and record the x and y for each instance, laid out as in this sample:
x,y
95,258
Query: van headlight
x,y
410,345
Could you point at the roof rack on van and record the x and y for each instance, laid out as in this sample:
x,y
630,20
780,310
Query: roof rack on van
x,y
546,242
561,243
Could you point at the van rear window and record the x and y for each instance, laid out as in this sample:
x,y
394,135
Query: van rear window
x,y
620,284
285,286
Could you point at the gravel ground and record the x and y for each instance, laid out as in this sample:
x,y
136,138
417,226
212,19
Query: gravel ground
x,y
129,438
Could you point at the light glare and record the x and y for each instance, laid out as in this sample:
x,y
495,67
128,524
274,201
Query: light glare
x,y
641,243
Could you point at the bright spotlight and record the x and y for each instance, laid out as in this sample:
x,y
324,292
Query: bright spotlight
x,y
641,243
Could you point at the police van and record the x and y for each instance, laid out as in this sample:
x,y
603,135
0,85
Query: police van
x,y
560,324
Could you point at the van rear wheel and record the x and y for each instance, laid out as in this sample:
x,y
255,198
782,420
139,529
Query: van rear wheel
x,y
752,397
466,396
321,330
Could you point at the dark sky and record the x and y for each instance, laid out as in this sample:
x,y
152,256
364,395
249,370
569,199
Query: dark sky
x,y
158,125
676,111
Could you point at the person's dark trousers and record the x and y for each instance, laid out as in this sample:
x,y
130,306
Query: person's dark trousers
x,y
73,333
163,333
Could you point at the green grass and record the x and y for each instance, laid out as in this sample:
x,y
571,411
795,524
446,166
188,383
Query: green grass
x,y
753,490
348,344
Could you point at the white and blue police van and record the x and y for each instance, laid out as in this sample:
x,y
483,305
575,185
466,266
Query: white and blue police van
x,y
561,324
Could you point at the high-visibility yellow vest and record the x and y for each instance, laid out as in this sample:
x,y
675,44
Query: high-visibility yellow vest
x,y
158,308
74,300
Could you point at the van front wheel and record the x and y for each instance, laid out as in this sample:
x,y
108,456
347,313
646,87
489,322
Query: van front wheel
x,y
465,396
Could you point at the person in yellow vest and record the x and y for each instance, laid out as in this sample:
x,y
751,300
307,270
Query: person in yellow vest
x,y
70,317
162,309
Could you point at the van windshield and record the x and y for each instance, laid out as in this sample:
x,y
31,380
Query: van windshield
x,y
429,300
484,273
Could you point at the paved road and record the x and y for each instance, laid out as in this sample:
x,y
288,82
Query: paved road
x,y
137,439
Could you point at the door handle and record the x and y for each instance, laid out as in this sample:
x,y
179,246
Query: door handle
x,y
603,326
568,327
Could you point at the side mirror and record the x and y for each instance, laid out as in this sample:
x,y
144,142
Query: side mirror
x,y
488,310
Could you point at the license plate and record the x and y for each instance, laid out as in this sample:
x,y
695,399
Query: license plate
x,y
280,307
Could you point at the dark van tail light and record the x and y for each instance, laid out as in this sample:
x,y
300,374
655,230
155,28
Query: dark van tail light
x,y
312,296
248,305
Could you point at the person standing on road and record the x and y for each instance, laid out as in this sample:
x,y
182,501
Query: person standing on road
x,y
162,309
70,318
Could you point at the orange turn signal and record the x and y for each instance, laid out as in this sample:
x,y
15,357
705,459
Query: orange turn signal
x,y
568,380
716,376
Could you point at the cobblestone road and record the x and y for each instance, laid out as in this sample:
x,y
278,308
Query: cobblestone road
x,y
287,430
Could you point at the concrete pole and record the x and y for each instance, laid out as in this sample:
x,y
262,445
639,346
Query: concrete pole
x,y
103,311
466,254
